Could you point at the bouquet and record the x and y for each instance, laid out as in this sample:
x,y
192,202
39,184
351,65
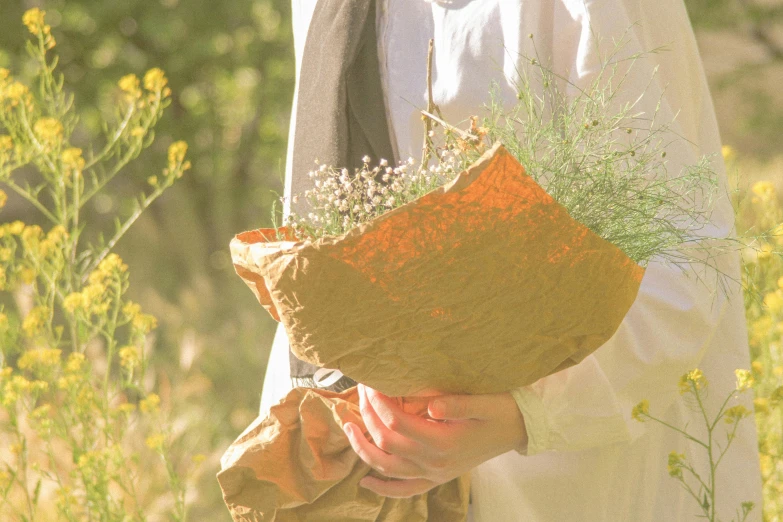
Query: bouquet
x,y
471,275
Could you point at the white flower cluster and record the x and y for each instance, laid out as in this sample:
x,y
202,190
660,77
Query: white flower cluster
x,y
341,200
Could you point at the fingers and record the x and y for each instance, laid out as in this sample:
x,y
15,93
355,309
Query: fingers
x,y
383,437
389,465
397,488
395,419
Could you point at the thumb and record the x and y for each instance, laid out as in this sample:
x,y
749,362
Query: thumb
x,y
455,407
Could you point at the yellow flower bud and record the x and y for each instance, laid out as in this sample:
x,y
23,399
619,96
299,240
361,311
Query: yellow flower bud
x,y
692,381
765,190
129,84
150,404
155,80
72,159
34,20
641,410
745,379
155,442
48,130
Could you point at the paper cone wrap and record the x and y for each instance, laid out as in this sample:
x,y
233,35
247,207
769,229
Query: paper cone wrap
x,y
481,286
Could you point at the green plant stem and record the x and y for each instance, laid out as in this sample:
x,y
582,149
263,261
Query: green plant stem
x,y
27,196
140,208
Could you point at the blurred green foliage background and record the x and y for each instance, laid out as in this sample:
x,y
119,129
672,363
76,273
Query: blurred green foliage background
x,y
231,69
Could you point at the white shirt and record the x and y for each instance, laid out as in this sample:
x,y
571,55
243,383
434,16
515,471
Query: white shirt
x,y
588,460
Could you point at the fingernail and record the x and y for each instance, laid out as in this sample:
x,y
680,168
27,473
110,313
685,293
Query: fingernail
x,y
437,407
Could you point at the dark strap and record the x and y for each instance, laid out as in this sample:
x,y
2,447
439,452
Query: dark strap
x,y
340,109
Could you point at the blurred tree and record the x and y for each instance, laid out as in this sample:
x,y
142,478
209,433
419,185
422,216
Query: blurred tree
x,y
742,44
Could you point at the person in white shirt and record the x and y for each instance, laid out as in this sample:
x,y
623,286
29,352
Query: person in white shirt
x,y
566,447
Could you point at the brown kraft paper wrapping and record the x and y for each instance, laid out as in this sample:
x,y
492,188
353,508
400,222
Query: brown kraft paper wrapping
x,y
480,286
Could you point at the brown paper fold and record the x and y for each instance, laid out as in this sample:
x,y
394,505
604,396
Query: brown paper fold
x,y
480,286
297,465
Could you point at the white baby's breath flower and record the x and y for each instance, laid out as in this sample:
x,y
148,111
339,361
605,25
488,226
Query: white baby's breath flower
x,y
366,160
383,162
367,208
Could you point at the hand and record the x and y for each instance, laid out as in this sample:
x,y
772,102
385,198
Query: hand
x,y
419,453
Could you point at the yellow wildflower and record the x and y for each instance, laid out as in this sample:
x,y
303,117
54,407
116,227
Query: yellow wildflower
x,y
774,302
34,20
778,371
6,143
150,404
728,152
177,151
3,323
694,380
49,130
641,410
27,275
138,131
13,92
155,442
765,190
129,357
129,84
198,458
74,301
110,264
3,198
757,366
56,234
745,379
131,310
153,181
40,359
32,233
75,362
16,228
35,320
736,414
72,159
155,80
676,463
145,323
16,449
42,420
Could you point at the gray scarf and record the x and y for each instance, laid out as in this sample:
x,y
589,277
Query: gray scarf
x,y
340,110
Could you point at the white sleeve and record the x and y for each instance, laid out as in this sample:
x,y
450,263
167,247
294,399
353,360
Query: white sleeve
x,y
675,316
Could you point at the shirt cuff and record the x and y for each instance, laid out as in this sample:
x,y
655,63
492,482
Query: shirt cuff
x,y
534,415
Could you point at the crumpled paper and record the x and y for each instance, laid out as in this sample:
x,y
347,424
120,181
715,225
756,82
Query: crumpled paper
x,y
296,465
481,286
